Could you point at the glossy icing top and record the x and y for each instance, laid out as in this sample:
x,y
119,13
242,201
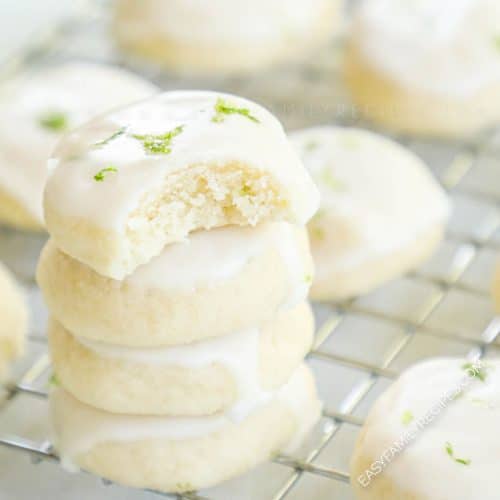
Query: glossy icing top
x,y
218,21
447,47
376,196
454,455
199,134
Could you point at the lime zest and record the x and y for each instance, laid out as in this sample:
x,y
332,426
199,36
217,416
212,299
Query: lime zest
x,y
101,175
159,143
56,121
407,417
451,453
223,109
112,137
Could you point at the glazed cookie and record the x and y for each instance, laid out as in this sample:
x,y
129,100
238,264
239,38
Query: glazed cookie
x,y
223,35
35,111
130,182
432,435
182,454
13,320
201,378
381,213
231,278
426,67
496,287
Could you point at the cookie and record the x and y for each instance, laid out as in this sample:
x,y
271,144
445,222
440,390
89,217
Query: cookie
x,y
432,435
36,109
14,320
227,280
201,378
223,36
426,68
132,181
182,454
382,213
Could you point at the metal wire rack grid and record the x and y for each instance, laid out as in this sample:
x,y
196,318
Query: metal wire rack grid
x,y
444,308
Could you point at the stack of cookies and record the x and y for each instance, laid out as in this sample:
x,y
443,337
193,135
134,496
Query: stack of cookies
x,y
176,277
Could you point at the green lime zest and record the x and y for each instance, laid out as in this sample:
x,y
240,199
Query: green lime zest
x,y
53,380
476,370
330,180
159,143
56,121
311,146
407,417
451,453
316,232
112,137
101,175
223,109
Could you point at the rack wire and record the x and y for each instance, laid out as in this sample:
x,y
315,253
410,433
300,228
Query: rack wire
x,y
444,308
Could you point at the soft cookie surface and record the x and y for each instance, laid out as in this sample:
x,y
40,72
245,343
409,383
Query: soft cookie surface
x,y
381,214
13,320
496,287
35,111
222,35
235,278
395,47
182,454
456,449
455,41
201,378
132,181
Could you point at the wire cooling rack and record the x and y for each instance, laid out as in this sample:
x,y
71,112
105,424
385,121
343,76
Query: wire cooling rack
x,y
444,308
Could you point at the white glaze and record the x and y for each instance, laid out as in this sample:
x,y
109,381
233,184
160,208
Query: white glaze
x,y
469,424
204,259
79,427
218,21
72,190
80,91
238,352
377,195
448,47
299,283
207,258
